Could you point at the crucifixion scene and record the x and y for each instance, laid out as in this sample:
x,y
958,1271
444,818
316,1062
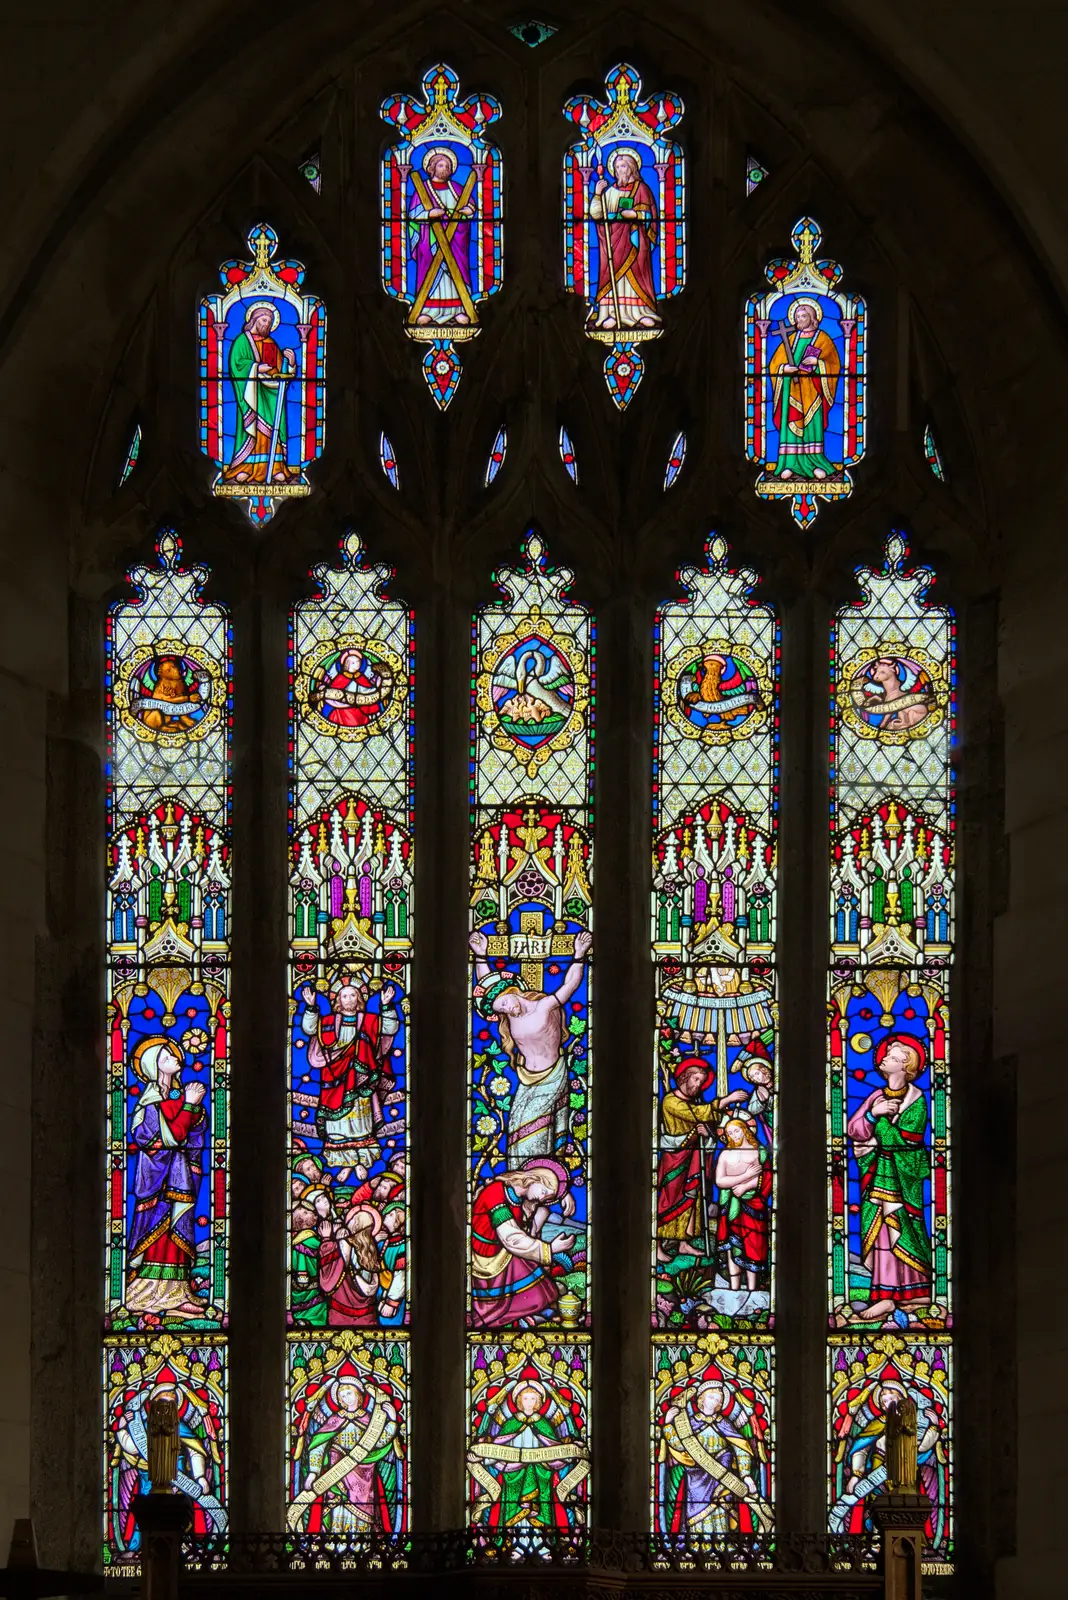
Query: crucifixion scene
x,y
530,946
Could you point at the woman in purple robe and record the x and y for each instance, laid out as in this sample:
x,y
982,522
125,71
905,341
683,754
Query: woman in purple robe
x,y
169,1131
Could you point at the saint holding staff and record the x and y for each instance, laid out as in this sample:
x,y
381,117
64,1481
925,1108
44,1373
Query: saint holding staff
x,y
625,212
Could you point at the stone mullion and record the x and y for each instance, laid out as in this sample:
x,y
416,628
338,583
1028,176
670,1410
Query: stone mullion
x,y
258,1063
439,1060
801,1287
621,1122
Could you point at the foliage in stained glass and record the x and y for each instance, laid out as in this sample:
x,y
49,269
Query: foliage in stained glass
x,y
168,698
891,915
351,943
624,219
442,219
932,455
347,1472
388,458
533,33
676,457
805,379
755,173
712,1438
132,453
866,1379
713,933
497,455
262,378
567,454
194,1374
530,1047
528,1451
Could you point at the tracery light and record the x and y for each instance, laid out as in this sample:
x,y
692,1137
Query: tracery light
x,y
351,880
892,813
624,244
496,455
567,454
932,454
168,716
713,933
676,458
755,174
132,452
442,219
387,457
528,1344
262,379
805,379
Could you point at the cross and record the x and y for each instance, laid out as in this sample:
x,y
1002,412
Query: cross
x,y
22,1578
532,944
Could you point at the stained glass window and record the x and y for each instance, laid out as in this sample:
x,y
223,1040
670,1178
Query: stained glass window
x,y
805,379
532,706
311,169
676,457
755,173
442,219
132,453
351,941
262,379
713,932
892,811
168,873
497,455
532,33
932,455
567,454
388,458
624,166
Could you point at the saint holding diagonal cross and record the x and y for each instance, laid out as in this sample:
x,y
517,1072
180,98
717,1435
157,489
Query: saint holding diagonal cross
x,y
439,231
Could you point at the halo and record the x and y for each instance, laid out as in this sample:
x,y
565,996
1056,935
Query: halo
x,y
150,1073
623,150
440,150
372,1211
546,1164
263,305
530,1383
813,305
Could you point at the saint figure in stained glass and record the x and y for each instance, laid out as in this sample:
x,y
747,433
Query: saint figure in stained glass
x,y
262,378
442,218
805,351
624,224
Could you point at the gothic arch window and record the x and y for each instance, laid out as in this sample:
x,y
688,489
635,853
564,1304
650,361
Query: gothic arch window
x,y
427,1221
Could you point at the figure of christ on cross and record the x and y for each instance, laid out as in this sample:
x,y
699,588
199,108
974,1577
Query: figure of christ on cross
x,y
532,1032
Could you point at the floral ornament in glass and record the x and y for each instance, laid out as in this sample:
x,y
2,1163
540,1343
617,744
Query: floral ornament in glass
x,y
805,379
262,379
442,219
624,220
